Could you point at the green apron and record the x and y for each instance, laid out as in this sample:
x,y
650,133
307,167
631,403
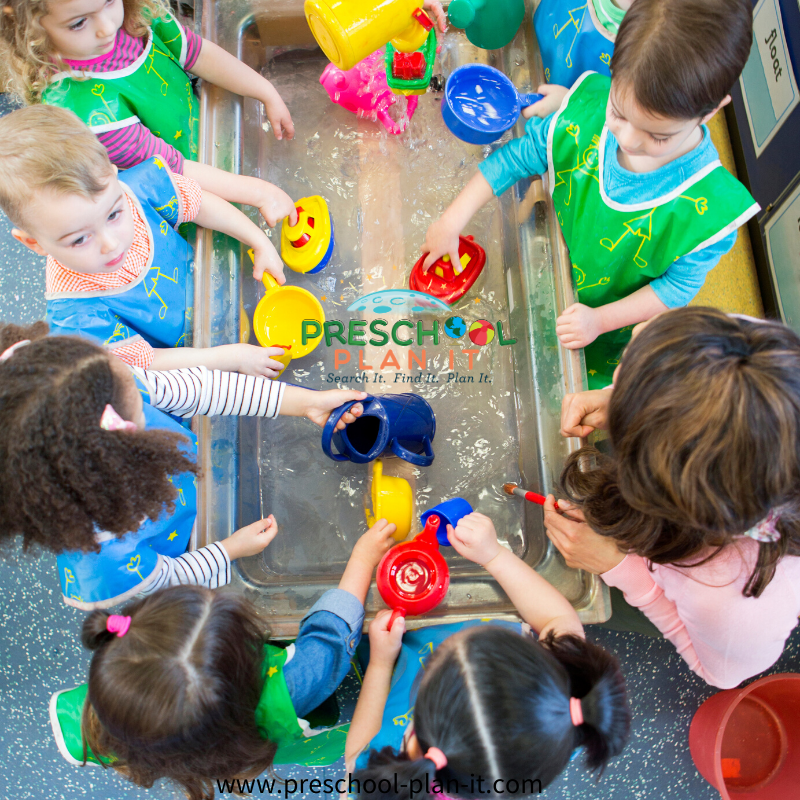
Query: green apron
x,y
275,718
618,248
154,90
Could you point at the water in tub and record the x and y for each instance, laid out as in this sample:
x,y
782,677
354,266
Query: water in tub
x,y
383,192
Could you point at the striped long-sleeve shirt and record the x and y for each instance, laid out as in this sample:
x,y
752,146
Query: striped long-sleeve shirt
x,y
135,143
198,390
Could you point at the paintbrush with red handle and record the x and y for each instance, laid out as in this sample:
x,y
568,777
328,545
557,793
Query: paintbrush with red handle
x,y
532,497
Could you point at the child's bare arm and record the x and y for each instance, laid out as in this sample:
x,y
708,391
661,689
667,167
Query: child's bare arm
x,y
219,67
220,215
273,203
442,236
541,605
368,551
384,646
580,325
245,358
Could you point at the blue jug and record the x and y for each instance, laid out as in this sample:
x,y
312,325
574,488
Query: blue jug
x,y
394,424
449,513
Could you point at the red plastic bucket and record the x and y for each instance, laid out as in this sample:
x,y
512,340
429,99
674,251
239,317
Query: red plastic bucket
x,y
746,742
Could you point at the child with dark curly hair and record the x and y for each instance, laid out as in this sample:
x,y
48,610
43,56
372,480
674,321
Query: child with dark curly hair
x,y
185,685
106,481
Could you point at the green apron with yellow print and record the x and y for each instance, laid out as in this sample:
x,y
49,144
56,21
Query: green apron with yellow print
x,y
618,248
154,90
275,718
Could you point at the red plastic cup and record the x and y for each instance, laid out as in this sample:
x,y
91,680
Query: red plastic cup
x,y
746,742
413,577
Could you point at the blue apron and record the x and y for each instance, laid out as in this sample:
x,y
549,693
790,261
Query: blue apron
x,y
418,645
123,565
572,40
157,307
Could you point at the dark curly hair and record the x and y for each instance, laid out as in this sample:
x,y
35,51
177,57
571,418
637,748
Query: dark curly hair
x,y
176,696
62,477
704,423
497,705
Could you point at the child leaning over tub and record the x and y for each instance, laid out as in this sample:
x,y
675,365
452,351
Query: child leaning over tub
x,y
474,708
121,65
644,203
573,40
117,269
185,685
106,481
694,517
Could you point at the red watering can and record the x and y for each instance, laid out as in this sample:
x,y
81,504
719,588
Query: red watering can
x,y
413,577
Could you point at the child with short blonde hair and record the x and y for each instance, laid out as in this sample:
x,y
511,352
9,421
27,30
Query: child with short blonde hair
x,y
121,66
117,269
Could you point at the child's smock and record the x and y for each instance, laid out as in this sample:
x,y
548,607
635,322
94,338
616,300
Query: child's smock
x,y
296,680
153,90
683,215
153,309
418,645
573,40
145,560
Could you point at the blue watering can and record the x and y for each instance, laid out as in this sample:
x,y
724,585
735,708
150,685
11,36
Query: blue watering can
x,y
480,103
394,424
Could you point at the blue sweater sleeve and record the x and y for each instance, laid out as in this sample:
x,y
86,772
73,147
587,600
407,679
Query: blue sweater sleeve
x,y
685,277
519,158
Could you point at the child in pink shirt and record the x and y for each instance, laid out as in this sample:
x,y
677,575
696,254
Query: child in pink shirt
x,y
694,515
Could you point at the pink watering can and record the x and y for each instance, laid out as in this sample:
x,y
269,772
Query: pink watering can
x,y
363,91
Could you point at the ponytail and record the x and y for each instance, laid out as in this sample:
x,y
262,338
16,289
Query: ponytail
x,y
390,775
595,679
95,633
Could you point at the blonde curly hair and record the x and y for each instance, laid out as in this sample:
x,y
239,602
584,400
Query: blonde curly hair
x,y
27,57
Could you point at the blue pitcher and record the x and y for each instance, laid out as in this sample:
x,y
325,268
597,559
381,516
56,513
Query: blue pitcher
x,y
394,424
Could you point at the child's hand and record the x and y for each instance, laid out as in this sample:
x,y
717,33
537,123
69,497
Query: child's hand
x,y
278,115
578,326
320,404
250,359
274,205
553,97
252,539
437,12
375,543
475,538
583,412
441,239
385,644
266,259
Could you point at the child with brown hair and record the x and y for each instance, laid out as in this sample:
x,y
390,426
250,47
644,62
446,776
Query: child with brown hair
x,y
185,684
645,206
695,514
121,66
117,269
104,480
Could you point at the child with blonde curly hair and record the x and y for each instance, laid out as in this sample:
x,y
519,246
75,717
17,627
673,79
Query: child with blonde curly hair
x,y
121,66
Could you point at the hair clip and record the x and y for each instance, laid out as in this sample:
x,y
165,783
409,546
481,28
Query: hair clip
x,y
117,623
765,531
9,351
575,711
111,421
437,756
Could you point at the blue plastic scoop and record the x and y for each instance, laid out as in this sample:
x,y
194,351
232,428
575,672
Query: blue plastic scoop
x,y
481,104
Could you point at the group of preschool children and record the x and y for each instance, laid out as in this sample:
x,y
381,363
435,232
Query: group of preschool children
x,y
692,516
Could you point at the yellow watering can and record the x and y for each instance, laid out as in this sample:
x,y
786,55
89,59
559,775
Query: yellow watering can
x,y
392,500
278,319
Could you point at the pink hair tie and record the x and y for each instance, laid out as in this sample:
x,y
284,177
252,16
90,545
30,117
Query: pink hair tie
x,y
437,756
9,351
116,623
111,421
576,711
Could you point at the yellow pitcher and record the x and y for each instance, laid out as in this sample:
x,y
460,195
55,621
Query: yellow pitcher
x,y
349,30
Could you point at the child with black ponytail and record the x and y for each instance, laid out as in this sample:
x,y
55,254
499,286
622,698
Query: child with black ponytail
x,y
484,708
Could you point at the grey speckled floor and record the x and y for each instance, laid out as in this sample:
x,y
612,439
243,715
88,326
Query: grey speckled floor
x,y
41,653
